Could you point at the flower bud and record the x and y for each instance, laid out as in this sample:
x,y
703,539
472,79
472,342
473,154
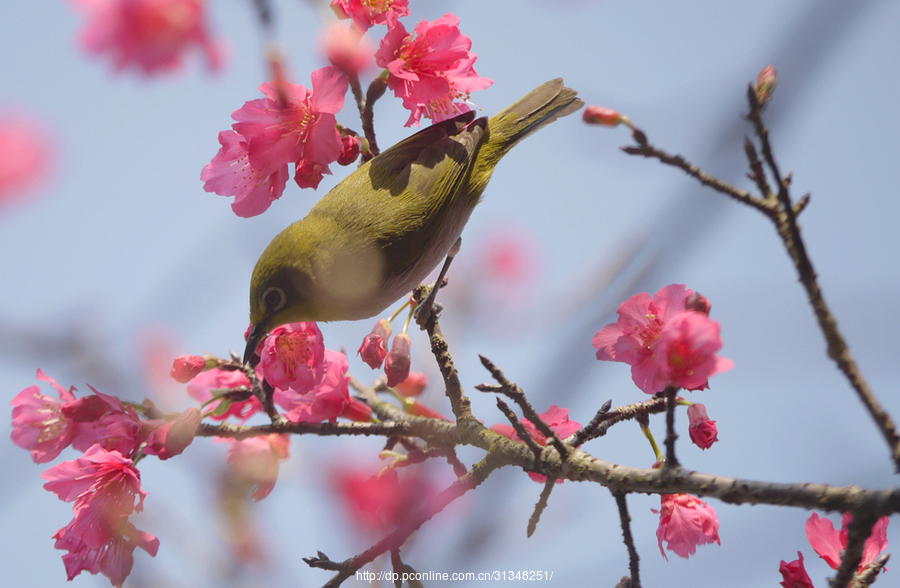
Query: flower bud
x,y
598,115
349,150
703,431
185,367
699,303
765,85
357,411
172,437
374,347
396,364
413,385
415,408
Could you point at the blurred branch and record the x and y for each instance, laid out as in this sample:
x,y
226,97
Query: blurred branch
x,y
393,541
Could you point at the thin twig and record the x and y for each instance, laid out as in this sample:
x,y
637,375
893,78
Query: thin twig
x,y
459,402
671,436
625,521
628,412
704,178
523,434
512,391
540,506
375,91
858,531
584,434
868,576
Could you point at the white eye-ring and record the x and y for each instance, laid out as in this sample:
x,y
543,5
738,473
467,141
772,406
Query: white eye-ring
x,y
274,299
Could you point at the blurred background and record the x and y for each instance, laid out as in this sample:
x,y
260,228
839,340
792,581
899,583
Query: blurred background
x,y
119,261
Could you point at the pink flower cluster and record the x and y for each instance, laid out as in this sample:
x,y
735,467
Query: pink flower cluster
x,y
291,125
430,70
558,421
829,544
104,483
148,35
309,381
668,340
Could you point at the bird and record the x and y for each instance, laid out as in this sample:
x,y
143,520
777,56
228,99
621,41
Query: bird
x,y
380,231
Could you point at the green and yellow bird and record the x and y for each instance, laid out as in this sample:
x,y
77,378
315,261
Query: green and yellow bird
x,y
378,233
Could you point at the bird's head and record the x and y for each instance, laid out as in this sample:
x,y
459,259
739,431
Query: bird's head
x,y
277,298
300,277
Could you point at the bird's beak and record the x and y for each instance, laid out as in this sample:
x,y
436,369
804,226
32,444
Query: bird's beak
x,y
254,337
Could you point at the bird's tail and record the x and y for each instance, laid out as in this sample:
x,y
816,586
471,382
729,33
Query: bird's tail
x,y
540,107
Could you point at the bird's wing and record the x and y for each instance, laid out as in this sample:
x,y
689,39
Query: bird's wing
x,y
406,195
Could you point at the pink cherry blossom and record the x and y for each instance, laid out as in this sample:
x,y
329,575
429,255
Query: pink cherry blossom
x,y
26,156
829,544
170,438
105,488
38,422
104,420
382,501
114,559
431,69
396,364
366,13
256,460
685,352
103,484
558,421
703,431
663,342
794,574
292,356
346,49
300,130
230,174
325,400
148,35
214,383
374,346
684,523
308,174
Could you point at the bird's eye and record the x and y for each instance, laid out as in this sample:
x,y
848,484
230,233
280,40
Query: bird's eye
x,y
274,299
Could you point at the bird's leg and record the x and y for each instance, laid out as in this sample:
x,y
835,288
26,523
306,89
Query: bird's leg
x,y
424,308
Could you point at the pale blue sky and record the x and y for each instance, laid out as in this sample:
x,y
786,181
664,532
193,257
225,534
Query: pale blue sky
x,y
127,240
